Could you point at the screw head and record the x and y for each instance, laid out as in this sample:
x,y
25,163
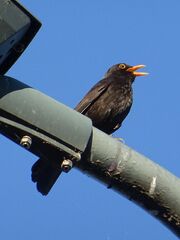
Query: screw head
x,y
66,165
26,142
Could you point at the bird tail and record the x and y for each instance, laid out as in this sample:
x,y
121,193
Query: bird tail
x,y
44,174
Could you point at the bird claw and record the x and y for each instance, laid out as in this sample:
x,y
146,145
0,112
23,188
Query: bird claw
x,y
121,140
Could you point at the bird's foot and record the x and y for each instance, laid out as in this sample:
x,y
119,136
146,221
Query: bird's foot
x,y
119,139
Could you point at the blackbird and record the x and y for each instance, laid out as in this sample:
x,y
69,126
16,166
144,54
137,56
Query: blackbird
x,y
110,100
107,104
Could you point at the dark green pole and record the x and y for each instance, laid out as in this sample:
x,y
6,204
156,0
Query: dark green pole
x,y
135,176
52,129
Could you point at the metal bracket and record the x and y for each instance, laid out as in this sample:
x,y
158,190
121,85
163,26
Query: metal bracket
x,y
26,136
43,126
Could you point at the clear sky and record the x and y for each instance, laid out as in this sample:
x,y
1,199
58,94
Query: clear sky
x,y
78,42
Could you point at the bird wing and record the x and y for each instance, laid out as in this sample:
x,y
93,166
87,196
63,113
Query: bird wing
x,y
92,96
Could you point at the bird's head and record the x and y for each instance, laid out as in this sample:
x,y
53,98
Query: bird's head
x,y
122,69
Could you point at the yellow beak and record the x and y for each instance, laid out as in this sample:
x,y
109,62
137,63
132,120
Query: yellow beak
x,y
134,68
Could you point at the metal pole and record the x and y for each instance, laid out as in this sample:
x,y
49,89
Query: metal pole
x,y
135,176
55,128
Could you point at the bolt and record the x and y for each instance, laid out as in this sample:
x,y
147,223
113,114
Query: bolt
x,y
66,165
26,142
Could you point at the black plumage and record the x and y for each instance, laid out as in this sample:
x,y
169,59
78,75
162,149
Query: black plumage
x,y
107,104
110,100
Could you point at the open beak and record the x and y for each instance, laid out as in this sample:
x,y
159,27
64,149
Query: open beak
x,y
134,68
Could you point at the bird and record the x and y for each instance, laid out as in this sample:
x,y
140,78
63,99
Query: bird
x,y
109,101
107,104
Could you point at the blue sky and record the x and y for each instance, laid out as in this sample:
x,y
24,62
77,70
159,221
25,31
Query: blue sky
x,y
78,42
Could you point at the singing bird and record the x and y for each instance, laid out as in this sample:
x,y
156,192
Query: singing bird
x,y
110,100
107,104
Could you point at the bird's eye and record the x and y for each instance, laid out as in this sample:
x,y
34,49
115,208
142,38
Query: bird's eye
x,y
122,66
